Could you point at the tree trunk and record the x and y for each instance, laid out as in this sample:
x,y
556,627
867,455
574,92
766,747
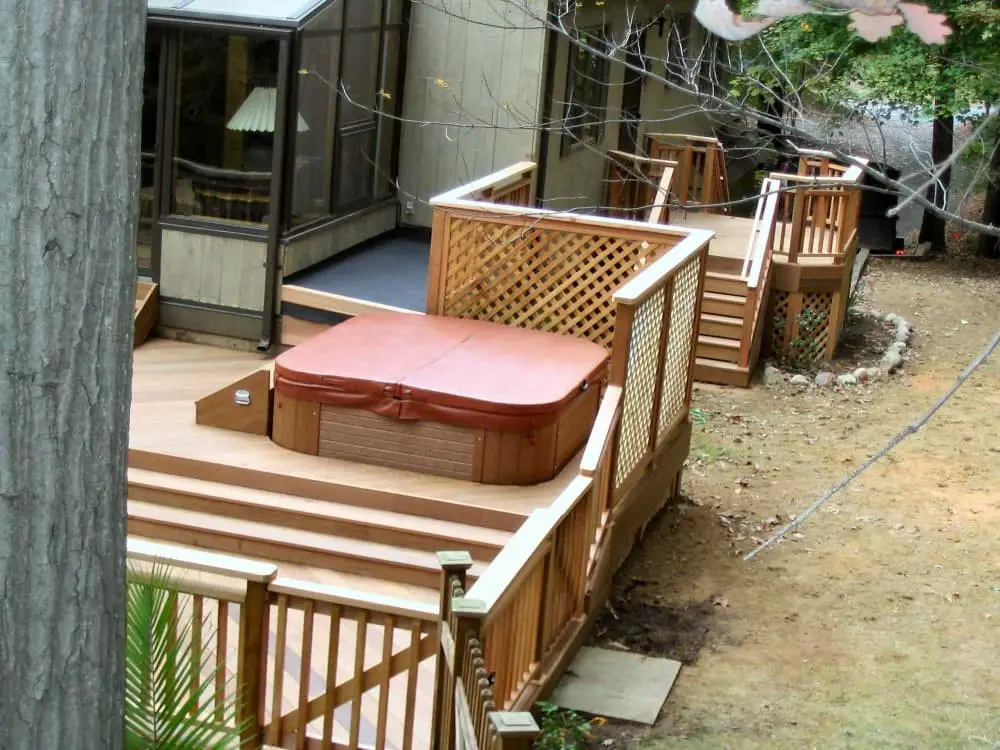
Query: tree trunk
x,y
989,246
70,87
932,228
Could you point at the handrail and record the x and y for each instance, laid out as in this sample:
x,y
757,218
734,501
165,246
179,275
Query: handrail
x,y
388,605
659,207
205,562
761,239
513,561
602,433
532,215
498,179
686,137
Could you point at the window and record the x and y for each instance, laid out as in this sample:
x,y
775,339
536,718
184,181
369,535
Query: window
x,y
318,73
586,91
226,100
349,94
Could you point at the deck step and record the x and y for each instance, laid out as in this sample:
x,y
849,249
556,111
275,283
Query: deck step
x,y
721,373
723,264
729,305
328,489
324,576
398,529
278,544
723,326
714,347
725,283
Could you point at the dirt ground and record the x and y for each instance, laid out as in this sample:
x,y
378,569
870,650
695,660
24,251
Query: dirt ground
x,y
877,624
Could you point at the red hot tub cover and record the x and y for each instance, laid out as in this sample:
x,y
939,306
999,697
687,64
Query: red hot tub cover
x,y
465,372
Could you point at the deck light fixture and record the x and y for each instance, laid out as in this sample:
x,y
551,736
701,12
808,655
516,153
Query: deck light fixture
x,y
242,397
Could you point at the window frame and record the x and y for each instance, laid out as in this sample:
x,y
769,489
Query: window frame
x,y
592,113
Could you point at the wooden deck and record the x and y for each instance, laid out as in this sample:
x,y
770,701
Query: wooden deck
x,y
735,313
321,521
732,233
242,494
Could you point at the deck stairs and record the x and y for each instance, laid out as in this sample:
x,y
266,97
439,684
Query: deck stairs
x,y
249,512
721,327
734,300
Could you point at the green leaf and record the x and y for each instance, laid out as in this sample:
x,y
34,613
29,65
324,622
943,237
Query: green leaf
x,y
170,684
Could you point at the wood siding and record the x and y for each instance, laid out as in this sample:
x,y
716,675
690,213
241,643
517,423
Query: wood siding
x,y
223,271
576,179
465,67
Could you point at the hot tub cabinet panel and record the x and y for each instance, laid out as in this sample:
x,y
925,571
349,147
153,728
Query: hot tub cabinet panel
x,y
456,398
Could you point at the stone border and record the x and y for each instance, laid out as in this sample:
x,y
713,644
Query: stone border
x,y
891,361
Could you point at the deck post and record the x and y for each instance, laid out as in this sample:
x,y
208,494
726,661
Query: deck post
x,y
252,662
514,730
454,567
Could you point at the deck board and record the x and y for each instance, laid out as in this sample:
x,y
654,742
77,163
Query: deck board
x,y
732,234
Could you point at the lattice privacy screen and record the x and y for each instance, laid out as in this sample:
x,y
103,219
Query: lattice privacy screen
x,y
802,326
547,275
779,321
640,384
811,332
677,356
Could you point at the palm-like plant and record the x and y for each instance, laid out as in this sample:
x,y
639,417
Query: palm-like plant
x,y
170,683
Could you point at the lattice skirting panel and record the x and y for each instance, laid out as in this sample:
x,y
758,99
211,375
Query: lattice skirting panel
x,y
803,326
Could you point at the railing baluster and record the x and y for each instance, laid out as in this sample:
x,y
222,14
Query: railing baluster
x,y
388,628
221,647
411,685
359,670
197,616
332,660
274,728
305,673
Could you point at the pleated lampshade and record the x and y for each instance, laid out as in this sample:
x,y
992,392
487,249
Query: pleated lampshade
x,y
257,113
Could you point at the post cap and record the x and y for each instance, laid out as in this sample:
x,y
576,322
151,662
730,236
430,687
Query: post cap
x,y
514,724
468,607
454,561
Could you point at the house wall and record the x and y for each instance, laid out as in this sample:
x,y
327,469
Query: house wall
x,y
575,180
475,64
213,270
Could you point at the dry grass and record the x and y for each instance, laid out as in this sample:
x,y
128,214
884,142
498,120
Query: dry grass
x,y
878,625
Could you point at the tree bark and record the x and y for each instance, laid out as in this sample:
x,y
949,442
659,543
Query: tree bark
x,y
70,87
932,228
989,247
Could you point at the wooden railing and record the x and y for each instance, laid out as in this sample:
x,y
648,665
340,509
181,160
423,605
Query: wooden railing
x,y
756,270
702,174
503,639
818,210
539,269
511,186
316,666
637,187
347,645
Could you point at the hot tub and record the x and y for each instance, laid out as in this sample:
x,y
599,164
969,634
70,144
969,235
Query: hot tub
x,y
460,398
